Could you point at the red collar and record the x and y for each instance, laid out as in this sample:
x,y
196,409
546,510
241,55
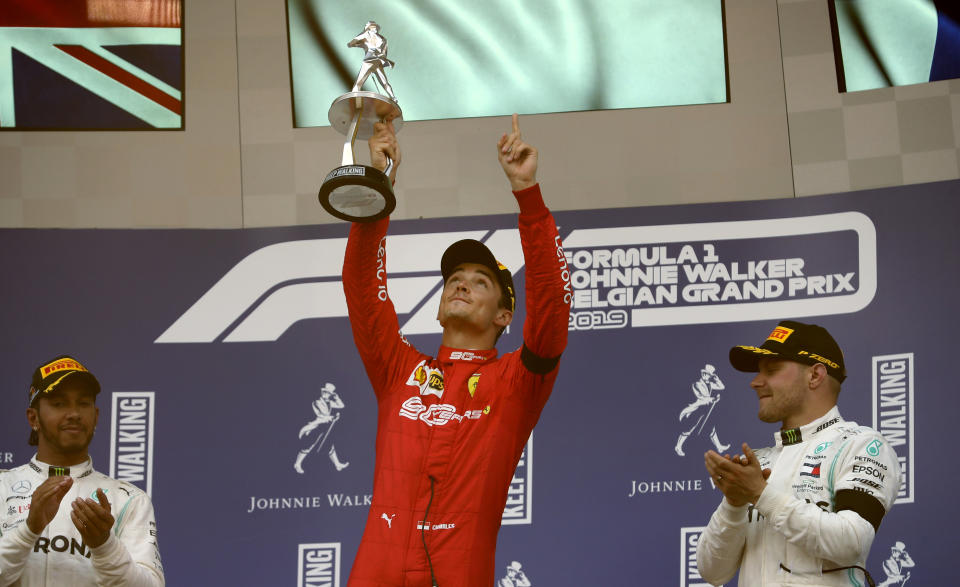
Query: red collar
x,y
449,355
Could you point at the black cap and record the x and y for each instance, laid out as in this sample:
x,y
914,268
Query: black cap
x,y
473,251
54,372
794,341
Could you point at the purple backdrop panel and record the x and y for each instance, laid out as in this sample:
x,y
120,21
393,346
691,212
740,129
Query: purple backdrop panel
x,y
215,348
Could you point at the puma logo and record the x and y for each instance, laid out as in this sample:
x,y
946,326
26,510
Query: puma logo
x,y
389,519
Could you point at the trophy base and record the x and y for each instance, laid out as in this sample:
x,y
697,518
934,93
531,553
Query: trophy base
x,y
372,108
357,193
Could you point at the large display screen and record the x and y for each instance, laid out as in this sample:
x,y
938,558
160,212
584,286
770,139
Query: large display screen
x,y
91,64
883,43
462,58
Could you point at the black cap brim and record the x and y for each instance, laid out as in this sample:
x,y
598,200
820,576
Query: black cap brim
x,y
747,358
83,378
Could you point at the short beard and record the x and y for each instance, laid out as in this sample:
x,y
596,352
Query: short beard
x,y
53,442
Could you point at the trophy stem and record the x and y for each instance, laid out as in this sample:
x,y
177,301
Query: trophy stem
x,y
348,154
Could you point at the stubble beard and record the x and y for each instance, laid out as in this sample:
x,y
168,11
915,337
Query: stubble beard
x,y
53,441
781,405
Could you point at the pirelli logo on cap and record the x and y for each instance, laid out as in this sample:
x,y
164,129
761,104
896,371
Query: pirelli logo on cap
x,y
61,365
780,334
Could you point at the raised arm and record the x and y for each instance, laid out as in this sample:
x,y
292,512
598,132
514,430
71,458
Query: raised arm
x,y
372,314
548,291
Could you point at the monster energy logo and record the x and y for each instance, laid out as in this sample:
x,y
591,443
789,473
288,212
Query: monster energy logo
x,y
791,436
59,471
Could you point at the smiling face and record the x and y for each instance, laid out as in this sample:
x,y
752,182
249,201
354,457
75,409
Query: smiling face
x,y
65,420
471,301
782,391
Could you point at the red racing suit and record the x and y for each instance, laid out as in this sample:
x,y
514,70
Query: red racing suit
x,y
450,429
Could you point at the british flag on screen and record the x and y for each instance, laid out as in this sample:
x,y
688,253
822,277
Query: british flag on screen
x,y
91,64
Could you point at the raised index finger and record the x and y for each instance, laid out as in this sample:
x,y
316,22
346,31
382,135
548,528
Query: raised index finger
x,y
516,123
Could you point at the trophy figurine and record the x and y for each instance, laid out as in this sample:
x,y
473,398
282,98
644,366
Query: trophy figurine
x,y
352,192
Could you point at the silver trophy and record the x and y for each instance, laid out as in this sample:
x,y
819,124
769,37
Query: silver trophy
x,y
352,192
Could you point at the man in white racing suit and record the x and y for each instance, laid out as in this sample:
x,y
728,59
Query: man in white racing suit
x,y
62,522
804,511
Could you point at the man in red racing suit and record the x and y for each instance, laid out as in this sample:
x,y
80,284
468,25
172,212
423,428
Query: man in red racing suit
x,y
451,428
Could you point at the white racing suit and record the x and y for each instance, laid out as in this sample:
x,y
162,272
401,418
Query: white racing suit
x,y
58,556
832,481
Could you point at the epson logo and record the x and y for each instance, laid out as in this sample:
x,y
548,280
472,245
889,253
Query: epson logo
x,y
689,573
893,413
869,471
131,438
519,507
318,565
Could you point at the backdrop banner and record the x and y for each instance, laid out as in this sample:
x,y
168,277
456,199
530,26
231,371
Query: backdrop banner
x,y
233,393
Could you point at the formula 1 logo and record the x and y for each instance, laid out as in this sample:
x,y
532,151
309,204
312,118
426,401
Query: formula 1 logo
x,y
273,288
615,277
